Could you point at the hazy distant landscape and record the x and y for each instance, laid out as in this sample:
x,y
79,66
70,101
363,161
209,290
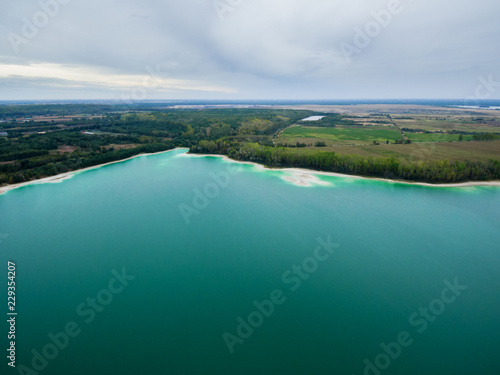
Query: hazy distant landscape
x,y
412,142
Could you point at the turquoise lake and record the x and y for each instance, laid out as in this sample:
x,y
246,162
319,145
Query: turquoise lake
x,y
177,264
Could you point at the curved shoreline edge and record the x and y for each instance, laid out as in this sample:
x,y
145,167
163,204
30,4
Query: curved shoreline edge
x,y
67,175
333,174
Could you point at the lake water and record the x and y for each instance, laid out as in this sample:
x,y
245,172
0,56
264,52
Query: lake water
x,y
175,264
313,118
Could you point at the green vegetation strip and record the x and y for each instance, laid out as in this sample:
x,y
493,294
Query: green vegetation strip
x,y
31,150
352,134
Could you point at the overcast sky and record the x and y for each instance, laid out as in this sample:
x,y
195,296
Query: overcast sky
x,y
249,49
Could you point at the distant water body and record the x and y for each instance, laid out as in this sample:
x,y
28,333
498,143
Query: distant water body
x,y
313,118
478,107
166,103
175,264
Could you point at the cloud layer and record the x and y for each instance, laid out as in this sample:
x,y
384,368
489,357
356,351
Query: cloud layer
x,y
242,49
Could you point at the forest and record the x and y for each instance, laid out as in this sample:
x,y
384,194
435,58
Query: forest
x,y
390,168
31,150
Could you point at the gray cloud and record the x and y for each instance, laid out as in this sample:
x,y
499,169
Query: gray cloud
x,y
259,49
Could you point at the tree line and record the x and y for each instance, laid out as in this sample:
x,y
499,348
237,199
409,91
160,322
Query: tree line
x,y
35,168
422,171
242,134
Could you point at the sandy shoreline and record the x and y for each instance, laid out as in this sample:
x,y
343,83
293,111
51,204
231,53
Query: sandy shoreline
x,y
301,177
310,172
65,176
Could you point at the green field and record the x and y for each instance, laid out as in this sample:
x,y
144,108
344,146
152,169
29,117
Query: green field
x,y
339,135
436,137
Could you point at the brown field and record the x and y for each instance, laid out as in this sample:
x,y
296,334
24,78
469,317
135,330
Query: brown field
x,y
68,149
449,123
121,147
394,109
370,120
433,119
415,117
65,149
64,118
